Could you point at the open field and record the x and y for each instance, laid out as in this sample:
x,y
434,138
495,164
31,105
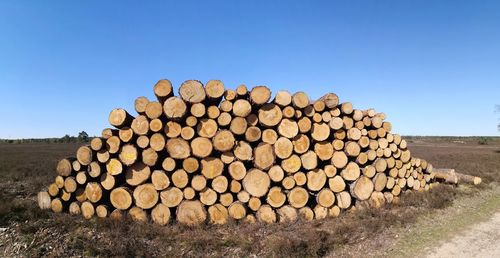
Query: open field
x,y
396,229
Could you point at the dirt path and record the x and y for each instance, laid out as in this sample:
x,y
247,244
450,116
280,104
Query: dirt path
x,y
480,240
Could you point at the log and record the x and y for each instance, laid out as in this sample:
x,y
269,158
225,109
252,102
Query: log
x,y
324,150
343,199
208,196
64,167
237,170
260,95
74,208
287,214
275,197
283,98
163,90
157,142
270,115
243,151
180,178
88,210
70,184
339,159
56,205
256,182
351,172
320,212
269,136
192,91
84,155
108,132
211,167
201,147
137,174
140,104
320,131
330,100
190,165
174,108
266,214
220,184
253,134
301,143
288,128
242,108
44,200
102,211
96,144
218,214
226,199
283,148
160,214
254,203
316,180
325,198
114,167
298,197
263,156
126,134
238,126
53,190
291,164
379,182
214,90
171,197
178,148
276,173
306,213
128,154
300,178
242,91
140,125
107,181
113,144
223,140
145,196
336,184
138,214
300,100
309,160
93,191
362,188
154,110
237,211
119,118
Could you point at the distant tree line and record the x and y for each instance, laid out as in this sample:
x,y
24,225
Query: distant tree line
x,y
81,138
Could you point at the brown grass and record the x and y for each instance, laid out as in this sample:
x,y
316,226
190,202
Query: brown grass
x,y
24,169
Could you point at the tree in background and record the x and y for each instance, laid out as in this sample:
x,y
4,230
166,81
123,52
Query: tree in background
x,y
497,109
83,136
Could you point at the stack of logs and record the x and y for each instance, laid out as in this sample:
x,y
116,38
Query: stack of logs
x,y
214,154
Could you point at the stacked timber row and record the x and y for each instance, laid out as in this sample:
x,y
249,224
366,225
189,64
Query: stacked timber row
x,y
212,155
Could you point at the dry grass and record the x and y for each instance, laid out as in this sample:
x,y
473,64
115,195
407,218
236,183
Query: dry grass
x,y
24,169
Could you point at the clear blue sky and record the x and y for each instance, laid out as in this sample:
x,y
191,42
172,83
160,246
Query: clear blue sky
x,y
432,66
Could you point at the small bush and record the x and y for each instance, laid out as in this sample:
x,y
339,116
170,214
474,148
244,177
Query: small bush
x,y
483,141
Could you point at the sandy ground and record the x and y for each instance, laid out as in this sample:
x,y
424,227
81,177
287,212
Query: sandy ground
x,y
480,240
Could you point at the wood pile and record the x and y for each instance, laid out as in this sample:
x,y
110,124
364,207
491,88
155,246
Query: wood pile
x,y
213,155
